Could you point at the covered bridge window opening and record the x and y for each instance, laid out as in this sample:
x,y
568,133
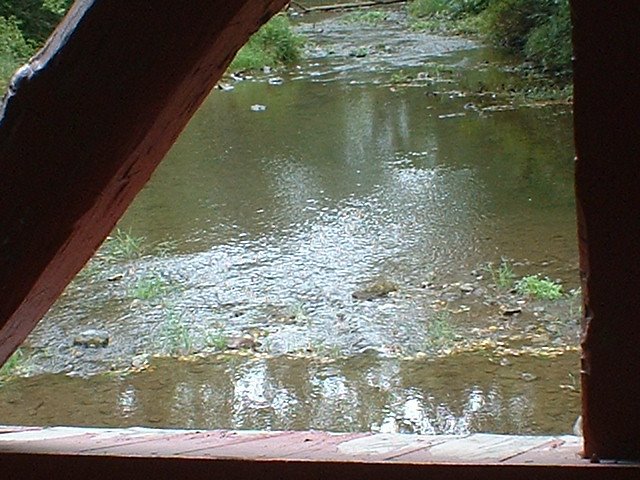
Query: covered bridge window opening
x,y
338,252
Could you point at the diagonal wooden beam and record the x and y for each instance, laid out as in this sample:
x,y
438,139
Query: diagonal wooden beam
x,y
85,124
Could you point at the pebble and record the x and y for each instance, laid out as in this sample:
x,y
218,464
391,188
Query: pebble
x,y
467,288
92,338
140,361
510,311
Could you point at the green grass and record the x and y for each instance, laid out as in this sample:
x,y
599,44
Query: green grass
x,y
122,245
440,332
148,288
369,17
400,77
541,288
217,340
14,363
174,337
502,275
274,44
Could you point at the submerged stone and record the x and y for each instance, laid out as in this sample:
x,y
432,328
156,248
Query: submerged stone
x,y
244,342
92,339
377,289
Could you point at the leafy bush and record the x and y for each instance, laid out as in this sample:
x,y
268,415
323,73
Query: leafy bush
x,y
34,19
427,8
24,26
14,49
58,7
454,8
275,43
540,30
549,43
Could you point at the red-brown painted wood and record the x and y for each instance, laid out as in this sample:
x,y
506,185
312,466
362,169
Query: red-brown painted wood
x,y
607,135
87,122
71,467
68,453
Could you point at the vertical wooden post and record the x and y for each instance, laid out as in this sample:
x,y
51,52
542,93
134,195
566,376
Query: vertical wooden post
x,y
86,123
607,135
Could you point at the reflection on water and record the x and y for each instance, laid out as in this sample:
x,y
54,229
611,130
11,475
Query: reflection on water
x,y
276,217
465,394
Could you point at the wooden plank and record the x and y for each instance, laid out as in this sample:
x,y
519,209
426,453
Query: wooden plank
x,y
8,429
85,124
54,452
348,6
480,448
182,444
563,450
298,445
132,440
390,446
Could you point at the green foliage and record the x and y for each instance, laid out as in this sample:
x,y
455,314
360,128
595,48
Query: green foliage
x,y
274,44
549,43
502,275
400,77
121,245
58,7
440,332
540,30
537,287
510,21
24,26
454,8
14,48
14,363
36,21
148,288
218,340
174,337
370,17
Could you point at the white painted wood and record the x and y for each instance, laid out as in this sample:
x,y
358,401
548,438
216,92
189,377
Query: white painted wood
x,y
482,447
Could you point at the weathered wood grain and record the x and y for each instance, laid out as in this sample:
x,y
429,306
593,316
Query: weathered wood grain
x,y
607,120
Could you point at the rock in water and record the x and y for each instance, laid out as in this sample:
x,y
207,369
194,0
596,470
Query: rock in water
x,y
378,289
92,339
245,342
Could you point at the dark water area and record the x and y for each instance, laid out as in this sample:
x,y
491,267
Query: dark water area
x,y
412,166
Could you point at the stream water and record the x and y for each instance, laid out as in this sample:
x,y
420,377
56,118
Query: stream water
x,y
349,231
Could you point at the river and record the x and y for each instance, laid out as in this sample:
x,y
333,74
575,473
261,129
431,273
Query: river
x,y
346,222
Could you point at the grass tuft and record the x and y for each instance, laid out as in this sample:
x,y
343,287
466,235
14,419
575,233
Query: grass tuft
x,y
440,332
502,275
541,288
174,337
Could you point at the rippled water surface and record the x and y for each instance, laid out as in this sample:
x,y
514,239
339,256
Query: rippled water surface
x,y
269,222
